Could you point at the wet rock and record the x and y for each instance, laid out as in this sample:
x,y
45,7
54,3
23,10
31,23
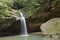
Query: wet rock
x,y
33,25
9,24
12,29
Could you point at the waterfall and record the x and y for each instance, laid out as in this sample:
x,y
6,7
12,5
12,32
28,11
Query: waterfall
x,y
23,25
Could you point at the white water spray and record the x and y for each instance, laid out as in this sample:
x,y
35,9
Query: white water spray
x,y
23,25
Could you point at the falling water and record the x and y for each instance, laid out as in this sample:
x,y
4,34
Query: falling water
x,y
23,25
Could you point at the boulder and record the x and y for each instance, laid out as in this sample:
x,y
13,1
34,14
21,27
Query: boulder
x,y
51,26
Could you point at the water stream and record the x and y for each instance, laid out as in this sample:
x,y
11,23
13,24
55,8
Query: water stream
x,y
23,25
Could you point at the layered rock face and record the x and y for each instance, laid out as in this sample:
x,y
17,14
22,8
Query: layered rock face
x,y
9,23
9,26
51,27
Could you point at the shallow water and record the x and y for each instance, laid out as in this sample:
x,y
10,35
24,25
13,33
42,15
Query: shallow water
x,y
30,37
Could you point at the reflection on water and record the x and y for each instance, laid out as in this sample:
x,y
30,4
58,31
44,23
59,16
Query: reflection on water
x,y
25,38
31,37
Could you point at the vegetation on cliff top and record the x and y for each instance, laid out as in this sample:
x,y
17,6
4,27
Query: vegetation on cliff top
x,y
29,7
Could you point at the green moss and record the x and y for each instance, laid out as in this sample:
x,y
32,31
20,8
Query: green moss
x,y
52,27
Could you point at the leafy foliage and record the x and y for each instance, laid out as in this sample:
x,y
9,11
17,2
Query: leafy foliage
x,y
29,7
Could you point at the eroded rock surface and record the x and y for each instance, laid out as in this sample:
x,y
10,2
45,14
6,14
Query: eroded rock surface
x,y
51,27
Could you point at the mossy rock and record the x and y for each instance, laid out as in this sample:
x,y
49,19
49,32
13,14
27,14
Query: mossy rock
x,y
51,27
